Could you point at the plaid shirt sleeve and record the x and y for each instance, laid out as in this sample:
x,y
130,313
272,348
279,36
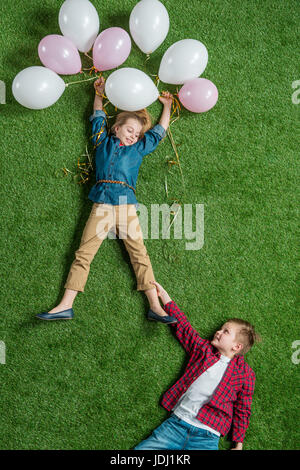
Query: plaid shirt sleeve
x,y
242,408
187,335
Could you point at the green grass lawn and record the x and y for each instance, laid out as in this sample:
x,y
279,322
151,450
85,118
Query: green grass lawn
x,y
96,382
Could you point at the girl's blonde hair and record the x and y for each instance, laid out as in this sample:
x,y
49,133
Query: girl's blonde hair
x,y
142,116
246,334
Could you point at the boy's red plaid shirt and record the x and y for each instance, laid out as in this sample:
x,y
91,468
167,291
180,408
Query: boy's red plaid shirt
x,y
231,402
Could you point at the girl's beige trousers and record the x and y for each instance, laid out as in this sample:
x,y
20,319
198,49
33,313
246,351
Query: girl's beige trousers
x,y
123,220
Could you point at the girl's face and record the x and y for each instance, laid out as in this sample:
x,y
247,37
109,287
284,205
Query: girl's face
x,y
129,132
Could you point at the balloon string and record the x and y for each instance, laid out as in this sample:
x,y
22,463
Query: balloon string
x,y
157,80
177,156
80,81
90,68
86,54
177,108
176,105
93,69
98,134
147,58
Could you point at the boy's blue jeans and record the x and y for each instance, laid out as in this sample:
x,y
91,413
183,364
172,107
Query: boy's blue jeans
x,y
176,434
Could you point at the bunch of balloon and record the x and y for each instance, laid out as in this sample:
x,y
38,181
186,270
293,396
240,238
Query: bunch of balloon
x,y
39,87
128,88
183,63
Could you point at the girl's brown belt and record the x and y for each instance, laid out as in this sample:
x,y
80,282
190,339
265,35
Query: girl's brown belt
x,y
117,182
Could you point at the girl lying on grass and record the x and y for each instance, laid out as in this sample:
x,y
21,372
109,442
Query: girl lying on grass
x,y
118,159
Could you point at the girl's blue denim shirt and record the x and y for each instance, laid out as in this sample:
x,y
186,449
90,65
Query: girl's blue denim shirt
x,y
119,163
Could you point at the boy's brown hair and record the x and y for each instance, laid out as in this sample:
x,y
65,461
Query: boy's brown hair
x,y
246,334
142,116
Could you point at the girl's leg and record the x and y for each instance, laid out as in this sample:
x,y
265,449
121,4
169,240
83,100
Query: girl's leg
x,y
66,302
129,230
99,223
154,303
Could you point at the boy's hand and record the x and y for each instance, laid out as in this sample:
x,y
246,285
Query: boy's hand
x,y
162,293
166,99
99,86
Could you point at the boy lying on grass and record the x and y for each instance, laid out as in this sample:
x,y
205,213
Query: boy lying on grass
x,y
215,391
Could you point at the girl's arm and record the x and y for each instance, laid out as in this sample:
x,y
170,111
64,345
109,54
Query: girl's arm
x,y
98,119
99,85
166,99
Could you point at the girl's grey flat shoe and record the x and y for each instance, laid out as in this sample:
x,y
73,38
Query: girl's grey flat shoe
x,y
166,319
64,315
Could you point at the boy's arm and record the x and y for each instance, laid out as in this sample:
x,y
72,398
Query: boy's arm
x,y
186,334
242,410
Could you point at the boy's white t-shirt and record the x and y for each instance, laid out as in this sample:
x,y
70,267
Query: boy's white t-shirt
x,y
200,393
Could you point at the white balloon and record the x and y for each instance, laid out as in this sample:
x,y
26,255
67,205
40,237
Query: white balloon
x,y
130,89
149,24
79,21
37,87
183,61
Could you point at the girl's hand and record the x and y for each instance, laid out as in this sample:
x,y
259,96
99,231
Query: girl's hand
x,y
166,99
99,86
162,293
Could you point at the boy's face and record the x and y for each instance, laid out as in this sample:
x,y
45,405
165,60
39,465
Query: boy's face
x,y
129,133
225,340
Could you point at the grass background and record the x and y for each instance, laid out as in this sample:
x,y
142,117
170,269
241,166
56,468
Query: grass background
x,y
96,382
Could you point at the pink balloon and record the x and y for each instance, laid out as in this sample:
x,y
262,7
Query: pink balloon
x,y
59,54
198,95
111,48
